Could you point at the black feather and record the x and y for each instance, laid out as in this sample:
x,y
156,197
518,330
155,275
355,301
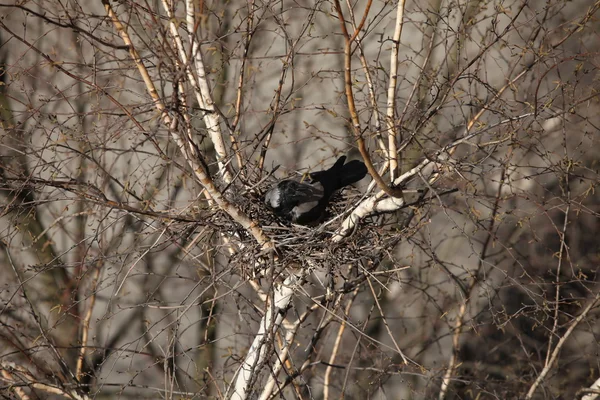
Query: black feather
x,y
304,202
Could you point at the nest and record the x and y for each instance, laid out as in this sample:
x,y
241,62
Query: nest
x,y
311,246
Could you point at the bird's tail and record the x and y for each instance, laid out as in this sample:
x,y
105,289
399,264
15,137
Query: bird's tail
x,y
340,174
352,172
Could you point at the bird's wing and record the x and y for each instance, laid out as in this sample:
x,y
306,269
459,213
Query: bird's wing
x,y
309,206
297,192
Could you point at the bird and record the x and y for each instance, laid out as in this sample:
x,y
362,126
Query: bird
x,y
305,202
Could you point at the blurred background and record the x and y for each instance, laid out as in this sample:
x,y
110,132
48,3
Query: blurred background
x,y
121,280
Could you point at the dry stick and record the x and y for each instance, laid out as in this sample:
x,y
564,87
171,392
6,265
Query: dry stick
x,y
563,244
591,393
468,65
467,293
324,322
336,345
407,141
103,201
59,358
374,204
26,378
455,342
91,84
287,364
576,28
18,390
86,323
276,106
393,192
189,152
52,225
391,95
354,351
283,355
238,100
272,319
559,346
238,103
356,124
360,332
192,79
387,327
248,39
372,97
212,378
210,117
277,394
265,146
205,99
189,130
257,354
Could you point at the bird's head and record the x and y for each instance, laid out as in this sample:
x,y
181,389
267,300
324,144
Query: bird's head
x,y
273,198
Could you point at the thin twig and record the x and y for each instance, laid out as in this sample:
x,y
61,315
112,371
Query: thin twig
x,y
336,345
188,151
284,353
374,204
387,327
391,95
559,346
370,86
591,393
85,326
211,118
10,378
455,342
356,129
562,237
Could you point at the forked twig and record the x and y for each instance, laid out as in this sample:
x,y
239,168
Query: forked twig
x,y
391,95
189,151
356,129
559,346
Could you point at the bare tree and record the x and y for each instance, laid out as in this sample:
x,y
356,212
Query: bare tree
x,y
138,140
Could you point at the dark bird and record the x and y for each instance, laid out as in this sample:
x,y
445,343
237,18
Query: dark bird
x,y
304,202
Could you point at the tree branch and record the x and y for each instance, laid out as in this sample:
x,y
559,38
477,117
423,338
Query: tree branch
x,y
188,151
394,192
